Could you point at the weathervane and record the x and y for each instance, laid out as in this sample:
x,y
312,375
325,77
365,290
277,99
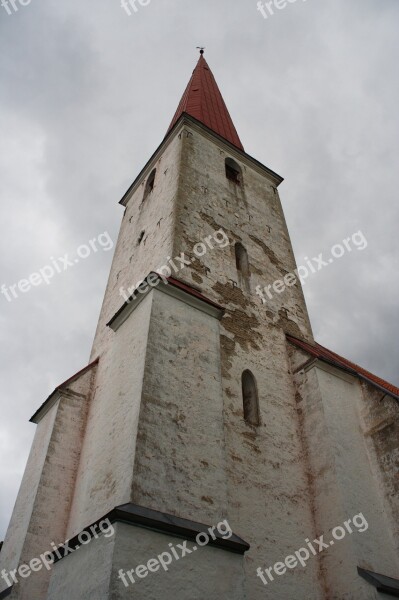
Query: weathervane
x,y
201,49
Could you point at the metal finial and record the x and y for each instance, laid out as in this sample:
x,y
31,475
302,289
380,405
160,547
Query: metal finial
x,y
201,49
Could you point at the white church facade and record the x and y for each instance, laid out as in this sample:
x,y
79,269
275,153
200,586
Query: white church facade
x,y
206,418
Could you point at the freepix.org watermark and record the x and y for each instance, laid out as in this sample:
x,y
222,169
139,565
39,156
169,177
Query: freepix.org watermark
x,y
131,5
46,559
314,265
14,5
266,9
57,266
218,239
301,556
175,553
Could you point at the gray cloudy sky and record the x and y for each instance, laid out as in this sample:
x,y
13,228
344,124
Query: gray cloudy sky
x,y
87,93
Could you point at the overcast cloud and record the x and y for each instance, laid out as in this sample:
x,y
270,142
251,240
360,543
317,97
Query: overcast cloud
x,y
87,93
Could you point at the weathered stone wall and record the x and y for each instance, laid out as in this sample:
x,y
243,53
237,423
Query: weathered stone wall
x,y
180,463
92,572
85,574
154,216
380,425
342,478
41,512
267,489
18,527
210,572
359,488
106,464
268,493
250,214
144,244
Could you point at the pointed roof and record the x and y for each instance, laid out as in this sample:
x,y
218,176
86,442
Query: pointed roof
x,y
203,101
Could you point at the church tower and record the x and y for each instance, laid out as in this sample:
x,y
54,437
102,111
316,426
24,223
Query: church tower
x,y
207,408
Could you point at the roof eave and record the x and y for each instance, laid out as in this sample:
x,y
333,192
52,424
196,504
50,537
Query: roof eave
x,y
186,118
53,397
341,367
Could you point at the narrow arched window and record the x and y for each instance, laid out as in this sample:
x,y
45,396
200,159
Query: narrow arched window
x,y
233,171
242,264
149,186
250,398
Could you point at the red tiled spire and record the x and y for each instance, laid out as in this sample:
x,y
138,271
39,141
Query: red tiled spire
x,y
203,101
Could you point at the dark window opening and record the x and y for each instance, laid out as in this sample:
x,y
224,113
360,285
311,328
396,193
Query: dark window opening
x,y
149,186
233,171
250,398
141,237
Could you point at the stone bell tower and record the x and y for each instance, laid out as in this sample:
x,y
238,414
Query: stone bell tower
x,y
192,410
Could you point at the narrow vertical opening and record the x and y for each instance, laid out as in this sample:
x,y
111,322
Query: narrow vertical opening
x,y
149,186
250,398
242,264
233,171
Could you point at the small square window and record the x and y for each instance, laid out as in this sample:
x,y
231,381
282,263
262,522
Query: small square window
x,y
232,175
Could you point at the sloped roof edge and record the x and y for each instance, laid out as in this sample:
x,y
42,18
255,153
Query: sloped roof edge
x,y
61,386
340,362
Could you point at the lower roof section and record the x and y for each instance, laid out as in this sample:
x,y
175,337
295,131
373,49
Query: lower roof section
x,y
172,287
161,522
384,584
60,388
340,362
